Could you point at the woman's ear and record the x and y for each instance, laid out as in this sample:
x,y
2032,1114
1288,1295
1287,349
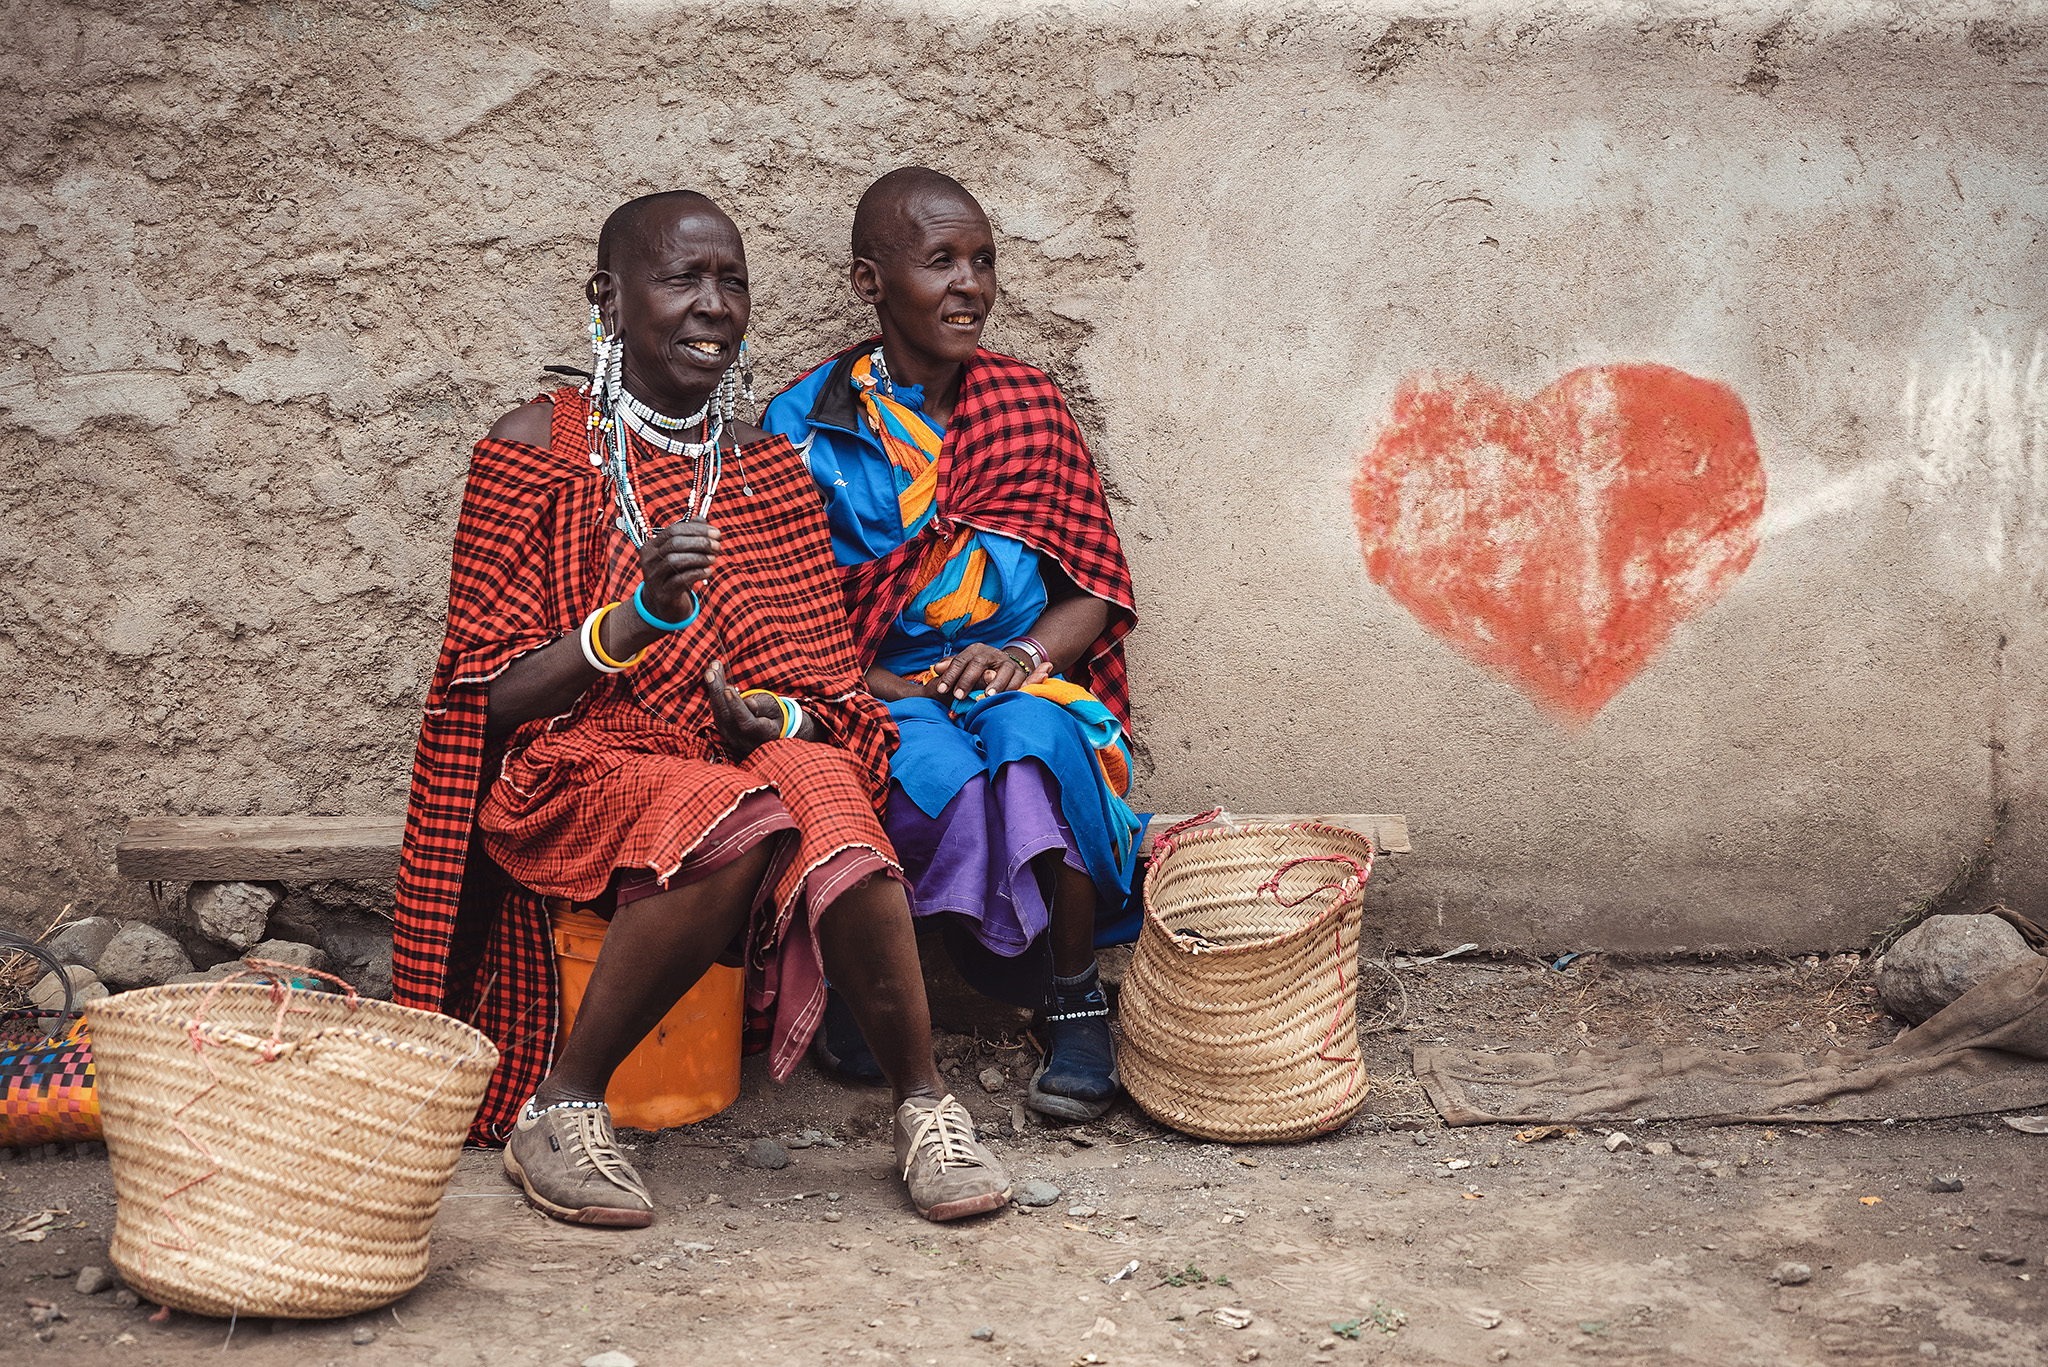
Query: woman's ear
x,y
867,280
601,289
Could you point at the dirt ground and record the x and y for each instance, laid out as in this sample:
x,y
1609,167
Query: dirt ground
x,y
1365,1247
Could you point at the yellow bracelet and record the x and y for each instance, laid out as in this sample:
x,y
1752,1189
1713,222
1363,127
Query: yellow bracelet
x,y
597,641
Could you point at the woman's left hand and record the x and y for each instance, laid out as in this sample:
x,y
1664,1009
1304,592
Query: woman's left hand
x,y
980,667
744,724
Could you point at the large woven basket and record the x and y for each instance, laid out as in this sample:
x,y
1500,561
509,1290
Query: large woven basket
x,y
1240,1007
279,1152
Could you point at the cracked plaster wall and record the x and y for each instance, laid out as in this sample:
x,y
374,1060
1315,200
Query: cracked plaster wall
x,y
269,268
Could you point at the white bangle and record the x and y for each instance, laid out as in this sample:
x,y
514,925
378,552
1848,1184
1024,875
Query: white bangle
x,y
795,722
590,655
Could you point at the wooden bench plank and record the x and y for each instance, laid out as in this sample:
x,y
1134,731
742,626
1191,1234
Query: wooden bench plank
x,y
288,849
307,849
1387,831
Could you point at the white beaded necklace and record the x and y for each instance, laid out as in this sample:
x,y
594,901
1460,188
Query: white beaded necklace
x,y
613,410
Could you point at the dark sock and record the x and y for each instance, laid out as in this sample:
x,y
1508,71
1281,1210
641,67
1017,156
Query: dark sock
x,y
1083,1054
842,1039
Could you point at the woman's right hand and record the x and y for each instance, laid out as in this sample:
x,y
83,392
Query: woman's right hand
x,y
673,562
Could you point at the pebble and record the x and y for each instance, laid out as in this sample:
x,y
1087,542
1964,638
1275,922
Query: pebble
x,y
126,1299
1928,1350
611,1358
831,1217
1946,1182
994,1079
1658,1148
1084,1212
362,1336
1421,1140
1792,1274
1036,1193
983,1335
766,1153
93,1280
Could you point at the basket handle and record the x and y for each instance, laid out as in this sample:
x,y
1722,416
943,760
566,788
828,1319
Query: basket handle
x,y
1345,889
1215,815
280,993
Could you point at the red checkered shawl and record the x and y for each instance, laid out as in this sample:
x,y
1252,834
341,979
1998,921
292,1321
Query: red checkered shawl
x,y
1013,463
534,543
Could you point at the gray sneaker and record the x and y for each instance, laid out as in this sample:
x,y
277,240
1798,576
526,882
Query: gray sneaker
x,y
569,1163
949,1171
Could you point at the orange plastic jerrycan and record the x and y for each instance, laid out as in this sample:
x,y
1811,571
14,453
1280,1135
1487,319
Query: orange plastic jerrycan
x,y
688,1067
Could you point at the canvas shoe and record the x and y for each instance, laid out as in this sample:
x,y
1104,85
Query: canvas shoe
x,y
949,1171
568,1161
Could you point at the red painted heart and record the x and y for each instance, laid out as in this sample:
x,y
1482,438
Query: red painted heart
x,y
1559,542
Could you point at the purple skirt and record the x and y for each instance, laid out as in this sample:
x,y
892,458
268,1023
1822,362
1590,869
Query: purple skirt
x,y
974,858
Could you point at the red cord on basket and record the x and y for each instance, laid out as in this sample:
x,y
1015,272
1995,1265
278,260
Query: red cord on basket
x,y
1345,890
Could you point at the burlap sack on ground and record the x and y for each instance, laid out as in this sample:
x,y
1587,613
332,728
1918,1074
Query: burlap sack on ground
x,y
1986,1051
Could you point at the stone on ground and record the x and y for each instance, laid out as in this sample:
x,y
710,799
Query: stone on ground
x,y
82,942
611,1358
140,955
1943,957
1792,1274
48,993
93,1280
291,952
1037,1193
233,913
766,1153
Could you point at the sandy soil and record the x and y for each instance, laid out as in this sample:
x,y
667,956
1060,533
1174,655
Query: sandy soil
x,y
1549,1252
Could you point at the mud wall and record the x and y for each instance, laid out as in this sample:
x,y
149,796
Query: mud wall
x,y
1616,437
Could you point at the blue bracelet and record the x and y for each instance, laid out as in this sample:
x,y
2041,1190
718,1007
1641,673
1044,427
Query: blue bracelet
x,y
640,606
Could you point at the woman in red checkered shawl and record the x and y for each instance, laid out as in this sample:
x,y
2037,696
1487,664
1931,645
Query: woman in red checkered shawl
x,y
671,733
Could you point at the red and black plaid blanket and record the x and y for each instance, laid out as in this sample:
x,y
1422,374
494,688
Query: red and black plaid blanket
x,y
1013,462
535,552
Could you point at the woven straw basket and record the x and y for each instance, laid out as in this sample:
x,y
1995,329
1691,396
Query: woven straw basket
x,y
1240,1007
279,1152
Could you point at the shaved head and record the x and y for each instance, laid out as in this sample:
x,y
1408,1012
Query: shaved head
x,y
890,207
631,223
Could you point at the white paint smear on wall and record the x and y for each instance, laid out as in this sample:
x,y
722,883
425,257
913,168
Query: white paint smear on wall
x,y
1978,424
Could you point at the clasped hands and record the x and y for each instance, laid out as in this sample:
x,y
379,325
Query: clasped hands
x,y
980,667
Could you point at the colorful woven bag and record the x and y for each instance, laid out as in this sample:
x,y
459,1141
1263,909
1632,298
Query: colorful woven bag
x,y
49,1093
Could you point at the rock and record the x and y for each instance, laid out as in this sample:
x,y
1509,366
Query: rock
x,y
1792,1274
1928,1350
48,993
82,942
1659,1148
362,1336
291,952
1081,1212
373,979
93,1280
1943,957
140,955
209,975
1230,1317
126,1299
983,1335
1036,1193
1948,1181
766,1153
1617,1142
233,913
994,1079
611,1358
45,1314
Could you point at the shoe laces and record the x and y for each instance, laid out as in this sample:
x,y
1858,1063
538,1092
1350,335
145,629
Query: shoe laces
x,y
948,1131
596,1146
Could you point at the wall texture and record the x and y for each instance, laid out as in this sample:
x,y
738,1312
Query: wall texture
x,y
1615,436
